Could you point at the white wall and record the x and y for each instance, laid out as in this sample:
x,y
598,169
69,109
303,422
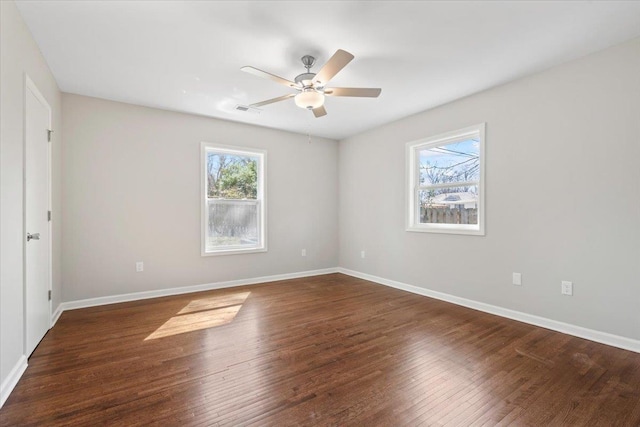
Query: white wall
x,y
562,188
20,55
132,193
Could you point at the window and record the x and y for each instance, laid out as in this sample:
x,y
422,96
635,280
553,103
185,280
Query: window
x,y
233,200
445,183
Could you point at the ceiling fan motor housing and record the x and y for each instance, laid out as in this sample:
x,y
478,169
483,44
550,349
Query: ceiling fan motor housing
x,y
305,79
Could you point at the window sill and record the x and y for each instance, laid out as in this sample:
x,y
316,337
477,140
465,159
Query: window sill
x,y
446,229
234,251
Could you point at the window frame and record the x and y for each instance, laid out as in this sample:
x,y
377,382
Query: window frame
x,y
412,169
261,198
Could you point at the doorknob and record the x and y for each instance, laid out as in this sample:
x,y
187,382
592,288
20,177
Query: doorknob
x,y
34,236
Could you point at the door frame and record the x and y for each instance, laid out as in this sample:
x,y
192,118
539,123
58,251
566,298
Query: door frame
x,y
30,86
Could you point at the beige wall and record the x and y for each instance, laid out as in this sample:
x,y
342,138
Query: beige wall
x,y
562,188
19,56
132,193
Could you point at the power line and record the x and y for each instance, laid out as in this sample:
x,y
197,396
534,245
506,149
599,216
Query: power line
x,y
460,153
449,167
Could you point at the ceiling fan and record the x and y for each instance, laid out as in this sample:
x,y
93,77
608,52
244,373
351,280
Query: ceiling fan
x,y
312,87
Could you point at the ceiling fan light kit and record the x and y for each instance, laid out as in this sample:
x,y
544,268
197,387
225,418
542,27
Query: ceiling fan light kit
x,y
309,99
312,87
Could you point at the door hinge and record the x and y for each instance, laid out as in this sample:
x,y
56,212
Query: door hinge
x,y
49,295
49,132
48,215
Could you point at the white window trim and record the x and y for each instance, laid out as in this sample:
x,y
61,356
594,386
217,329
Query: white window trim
x,y
261,197
412,171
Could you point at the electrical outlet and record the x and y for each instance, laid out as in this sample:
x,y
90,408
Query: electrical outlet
x,y
517,279
303,252
567,288
139,266
361,254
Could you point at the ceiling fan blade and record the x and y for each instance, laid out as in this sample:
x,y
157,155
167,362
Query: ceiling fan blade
x,y
272,100
333,66
319,112
273,77
365,92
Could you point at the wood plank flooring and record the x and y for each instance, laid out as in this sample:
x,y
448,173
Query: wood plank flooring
x,y
325,350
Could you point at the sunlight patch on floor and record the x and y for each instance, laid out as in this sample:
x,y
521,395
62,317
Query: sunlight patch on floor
x,y
201,314
215,302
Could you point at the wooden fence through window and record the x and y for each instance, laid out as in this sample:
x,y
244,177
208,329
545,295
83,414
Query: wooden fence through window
x,y
447,215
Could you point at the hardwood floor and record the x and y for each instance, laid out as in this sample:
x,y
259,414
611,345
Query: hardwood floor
x,y
325,350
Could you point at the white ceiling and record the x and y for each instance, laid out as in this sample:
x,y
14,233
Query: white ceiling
x,y
186,56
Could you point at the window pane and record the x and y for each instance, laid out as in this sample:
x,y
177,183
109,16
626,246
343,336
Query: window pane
x,y
231,176
455,162
232,224
454,205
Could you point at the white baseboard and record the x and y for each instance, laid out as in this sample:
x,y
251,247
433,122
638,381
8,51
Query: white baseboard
x,y
12,379
93,302
566,328
56,315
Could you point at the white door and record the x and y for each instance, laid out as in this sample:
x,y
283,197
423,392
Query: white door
x,y
38,238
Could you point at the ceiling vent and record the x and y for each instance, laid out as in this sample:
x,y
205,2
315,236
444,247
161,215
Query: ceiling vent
x,y
247,109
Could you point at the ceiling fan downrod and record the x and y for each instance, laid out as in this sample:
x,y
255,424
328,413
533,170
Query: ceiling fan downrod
x,y
306,79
